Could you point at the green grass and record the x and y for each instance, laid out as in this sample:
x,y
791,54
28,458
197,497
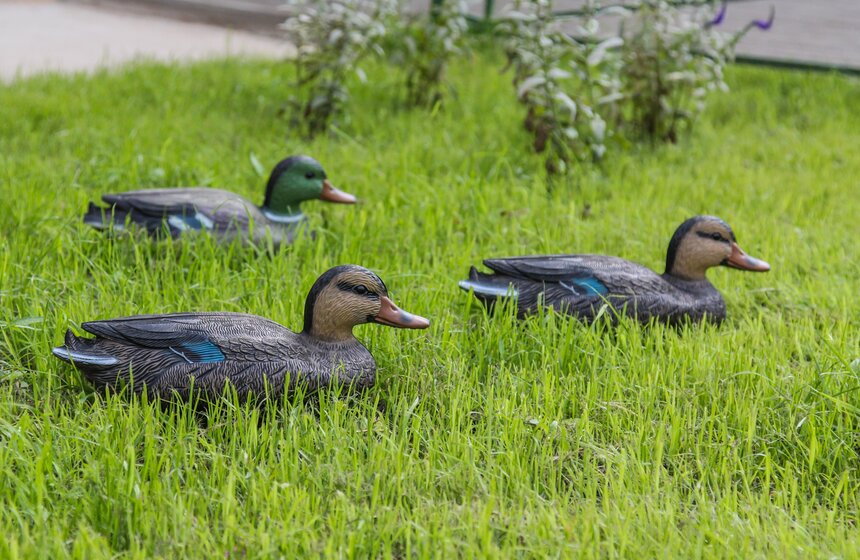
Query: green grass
x,y
483,436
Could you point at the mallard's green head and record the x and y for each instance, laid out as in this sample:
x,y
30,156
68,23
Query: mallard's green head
x,y
297,179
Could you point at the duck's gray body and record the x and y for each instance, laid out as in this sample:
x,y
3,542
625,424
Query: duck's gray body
x,y
582,285
177,210
587,286
169,354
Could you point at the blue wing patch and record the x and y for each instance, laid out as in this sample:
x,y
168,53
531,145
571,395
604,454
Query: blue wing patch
x,y
589,286
205,352
183,222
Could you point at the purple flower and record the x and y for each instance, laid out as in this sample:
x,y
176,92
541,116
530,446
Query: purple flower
x,y
765,25
718,19
762,24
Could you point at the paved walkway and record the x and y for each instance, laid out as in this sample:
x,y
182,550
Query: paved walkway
x,y
823,32
41,35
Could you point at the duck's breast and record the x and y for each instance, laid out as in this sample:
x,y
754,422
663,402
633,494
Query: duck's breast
x,y
348,364
288,359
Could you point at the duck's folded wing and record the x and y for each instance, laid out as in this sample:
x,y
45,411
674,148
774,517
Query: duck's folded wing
x,y
198,207
156,202
195,337
590,274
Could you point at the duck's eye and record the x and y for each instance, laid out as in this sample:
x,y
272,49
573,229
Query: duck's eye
x,y
716,236
309,175
360,290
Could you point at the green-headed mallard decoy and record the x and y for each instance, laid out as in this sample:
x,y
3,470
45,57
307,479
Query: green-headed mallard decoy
x,y
223,213
581,284
167,354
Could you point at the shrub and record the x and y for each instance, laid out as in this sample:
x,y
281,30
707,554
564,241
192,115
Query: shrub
x,y
428,44
562,82
672,57
332,37
648,79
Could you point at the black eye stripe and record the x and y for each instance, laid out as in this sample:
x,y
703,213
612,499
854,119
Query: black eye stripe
x,y
716,236
358,289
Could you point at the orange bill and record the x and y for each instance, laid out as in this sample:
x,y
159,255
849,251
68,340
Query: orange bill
x,y
740,260
332,194
391,315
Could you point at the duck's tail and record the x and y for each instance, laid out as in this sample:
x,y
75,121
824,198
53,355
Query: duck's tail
x,y
105,218
82,352
488,287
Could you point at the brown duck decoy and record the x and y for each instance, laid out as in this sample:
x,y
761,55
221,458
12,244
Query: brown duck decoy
x,y
581,285
168,354
224,214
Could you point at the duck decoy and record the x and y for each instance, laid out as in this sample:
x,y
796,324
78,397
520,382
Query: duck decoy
x,y
223,213
581,285
174,354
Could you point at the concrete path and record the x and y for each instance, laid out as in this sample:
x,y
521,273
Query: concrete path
x,y
825,32
43,35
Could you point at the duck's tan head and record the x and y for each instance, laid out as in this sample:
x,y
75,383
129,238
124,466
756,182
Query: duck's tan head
x,y
349,295
703,242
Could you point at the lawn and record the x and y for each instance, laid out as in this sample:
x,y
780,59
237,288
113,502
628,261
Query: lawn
x,y
484,436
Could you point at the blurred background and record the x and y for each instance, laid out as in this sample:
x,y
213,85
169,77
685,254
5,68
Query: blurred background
x,y
72,35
